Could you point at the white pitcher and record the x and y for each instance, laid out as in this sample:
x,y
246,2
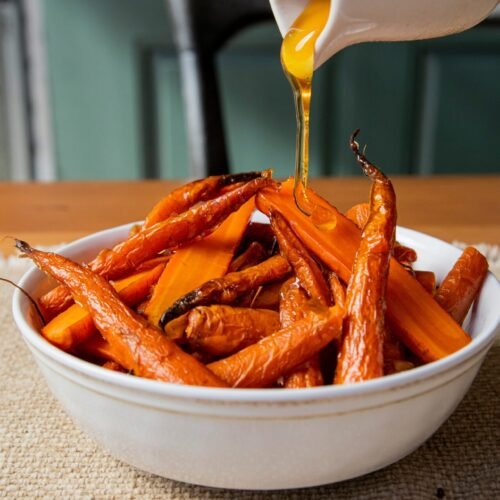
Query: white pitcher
x,y
355,21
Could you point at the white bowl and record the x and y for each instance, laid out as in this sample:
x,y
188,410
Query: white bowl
x,y
261,438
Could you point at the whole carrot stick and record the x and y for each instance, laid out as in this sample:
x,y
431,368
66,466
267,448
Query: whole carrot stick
x,y
195,223
75,325
223,330
361,351
138,347
261,364
461,285
184,197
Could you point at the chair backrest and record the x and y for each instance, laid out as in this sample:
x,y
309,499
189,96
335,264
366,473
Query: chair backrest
x,y
200,28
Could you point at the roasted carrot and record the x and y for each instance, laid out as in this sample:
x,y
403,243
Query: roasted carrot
x,y
292,306
313,282
427,279
199,262
97,347
252,255
261,364
412,313
228,288
361,351
152,263
462,284
75,325
224,330
137,346
184,197
192,224
359,214
337,290
306,269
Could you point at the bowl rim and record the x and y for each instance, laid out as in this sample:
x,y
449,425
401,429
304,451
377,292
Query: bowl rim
x,y
238,395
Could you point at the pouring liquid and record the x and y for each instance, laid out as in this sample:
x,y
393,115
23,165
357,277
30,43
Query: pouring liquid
x,y
297,59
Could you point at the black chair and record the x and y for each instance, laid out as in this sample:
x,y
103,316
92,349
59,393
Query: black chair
x,y
200,28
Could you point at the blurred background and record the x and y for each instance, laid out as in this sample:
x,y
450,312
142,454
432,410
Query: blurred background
x,y
93,89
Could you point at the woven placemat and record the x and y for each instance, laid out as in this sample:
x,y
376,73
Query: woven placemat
x,y
43,454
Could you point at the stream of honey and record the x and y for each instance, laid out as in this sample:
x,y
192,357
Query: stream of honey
x,y
297,58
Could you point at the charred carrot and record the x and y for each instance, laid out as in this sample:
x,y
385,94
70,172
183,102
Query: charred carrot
x,y
137,346
292,307
224,330
75,325
412,313
192,224
462,284
198,262
184,197
228,288
361,351
261,364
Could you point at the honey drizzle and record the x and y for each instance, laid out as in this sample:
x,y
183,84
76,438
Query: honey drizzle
x,y
297,59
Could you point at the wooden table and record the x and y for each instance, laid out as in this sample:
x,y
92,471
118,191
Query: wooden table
x,y
465,208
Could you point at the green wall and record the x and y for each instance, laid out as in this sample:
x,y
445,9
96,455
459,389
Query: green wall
x,y
423,107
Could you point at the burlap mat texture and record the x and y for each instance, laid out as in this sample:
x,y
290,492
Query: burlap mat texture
x,y
43,454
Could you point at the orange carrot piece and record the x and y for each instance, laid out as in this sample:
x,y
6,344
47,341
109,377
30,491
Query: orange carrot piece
x,y
361,351
462,284
252,255
199,262
412,313
337,289
184,197
427,279
224,330
359,214
75,325
261,364
138,346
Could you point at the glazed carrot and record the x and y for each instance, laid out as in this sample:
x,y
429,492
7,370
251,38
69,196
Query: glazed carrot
x,y
261,364
306,269
337,290
412,313
228,288
152,263
224,330
359,214
361,350
427,279
292,306
137,346
198,262
312,281
184,197
462,284
252,255
192,224
75,325
97,347
114,366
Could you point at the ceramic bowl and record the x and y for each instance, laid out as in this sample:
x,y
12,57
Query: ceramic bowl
x,y
261,438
